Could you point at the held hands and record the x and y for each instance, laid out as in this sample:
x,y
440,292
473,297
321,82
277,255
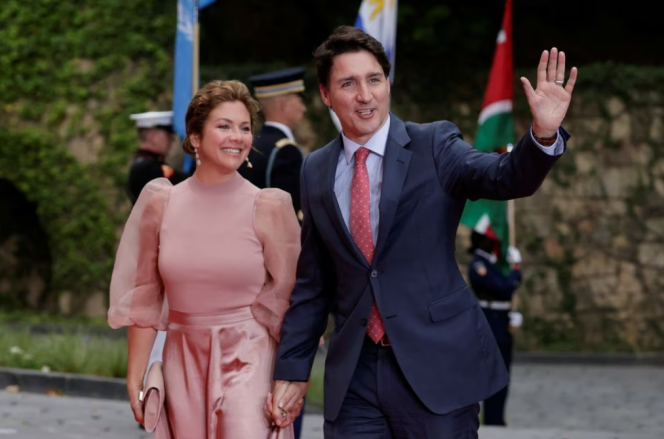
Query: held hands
x,y
286,401
549,102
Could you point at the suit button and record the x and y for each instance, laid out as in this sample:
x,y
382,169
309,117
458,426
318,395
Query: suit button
x,y
374,273
363,322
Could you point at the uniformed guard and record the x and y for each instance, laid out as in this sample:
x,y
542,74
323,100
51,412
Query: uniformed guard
x,y
155,132
494,290
278,159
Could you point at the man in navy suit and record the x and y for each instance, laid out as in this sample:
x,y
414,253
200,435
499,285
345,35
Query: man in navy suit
x,y
412,353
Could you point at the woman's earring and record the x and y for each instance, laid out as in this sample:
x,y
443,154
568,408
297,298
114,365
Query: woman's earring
x,y
249,165
198,158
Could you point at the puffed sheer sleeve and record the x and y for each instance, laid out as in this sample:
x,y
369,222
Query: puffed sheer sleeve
x,y
279,231
137,291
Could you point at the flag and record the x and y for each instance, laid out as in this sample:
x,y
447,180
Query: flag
x,y
184,65
378,18
495,132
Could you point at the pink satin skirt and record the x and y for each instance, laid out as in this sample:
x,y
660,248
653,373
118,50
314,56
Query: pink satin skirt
x,y
217,373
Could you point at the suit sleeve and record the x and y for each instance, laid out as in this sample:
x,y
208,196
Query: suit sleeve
x,y
310,302
286,172
466,173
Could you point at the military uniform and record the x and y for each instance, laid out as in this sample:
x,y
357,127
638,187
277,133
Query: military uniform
x,y
277,159
148,165
494,291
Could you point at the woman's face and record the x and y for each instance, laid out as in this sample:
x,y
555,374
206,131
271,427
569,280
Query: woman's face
x,y
226,138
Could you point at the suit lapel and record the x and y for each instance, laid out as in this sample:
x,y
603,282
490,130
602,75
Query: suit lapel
x,y
331,203
395,169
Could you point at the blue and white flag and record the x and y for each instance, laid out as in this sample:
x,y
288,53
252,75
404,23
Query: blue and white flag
x,y
184,65
378,18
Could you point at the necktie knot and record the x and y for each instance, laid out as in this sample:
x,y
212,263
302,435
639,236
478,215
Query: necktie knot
x,y
361,156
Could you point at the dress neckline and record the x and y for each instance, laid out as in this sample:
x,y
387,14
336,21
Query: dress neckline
x,y
228,186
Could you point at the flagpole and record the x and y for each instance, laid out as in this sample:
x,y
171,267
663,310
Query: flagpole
x,y
510,222
194,65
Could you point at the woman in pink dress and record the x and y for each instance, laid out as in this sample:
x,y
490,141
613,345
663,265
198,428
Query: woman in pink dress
x,y
211,261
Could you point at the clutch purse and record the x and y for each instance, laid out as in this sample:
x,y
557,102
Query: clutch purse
x,y
153,400
278,433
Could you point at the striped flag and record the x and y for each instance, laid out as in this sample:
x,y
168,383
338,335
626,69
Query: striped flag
x,y
378,18
494,134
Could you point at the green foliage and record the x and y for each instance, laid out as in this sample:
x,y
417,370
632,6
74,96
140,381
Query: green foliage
x,y
54,49
629,83
25,319
73,353
72,74
81,233
317,378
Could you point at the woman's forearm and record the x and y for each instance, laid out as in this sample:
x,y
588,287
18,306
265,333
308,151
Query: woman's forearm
x,y
139,346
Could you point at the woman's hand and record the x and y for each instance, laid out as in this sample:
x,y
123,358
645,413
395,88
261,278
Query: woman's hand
x,y
287,417
134,391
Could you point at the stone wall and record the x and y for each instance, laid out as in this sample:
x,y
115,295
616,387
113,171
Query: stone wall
x,y
592,237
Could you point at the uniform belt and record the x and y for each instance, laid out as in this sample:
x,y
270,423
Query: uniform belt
x,y
496,305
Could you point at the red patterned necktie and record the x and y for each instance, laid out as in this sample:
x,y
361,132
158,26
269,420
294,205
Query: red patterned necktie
x,y
360,229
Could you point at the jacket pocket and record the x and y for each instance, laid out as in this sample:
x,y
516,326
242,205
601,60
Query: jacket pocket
x,y
451,305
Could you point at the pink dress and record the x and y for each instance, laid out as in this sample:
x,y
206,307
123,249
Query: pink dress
x,y
214,266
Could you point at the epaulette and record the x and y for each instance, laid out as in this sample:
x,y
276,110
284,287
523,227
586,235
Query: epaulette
x,y
283,142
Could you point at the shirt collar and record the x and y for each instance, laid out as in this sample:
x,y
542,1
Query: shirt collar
x,y
489,257
280,126
375,144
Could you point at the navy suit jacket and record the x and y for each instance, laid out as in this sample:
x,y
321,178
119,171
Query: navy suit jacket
x,y
439,335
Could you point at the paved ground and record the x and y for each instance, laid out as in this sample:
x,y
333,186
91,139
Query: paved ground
x,y
547,402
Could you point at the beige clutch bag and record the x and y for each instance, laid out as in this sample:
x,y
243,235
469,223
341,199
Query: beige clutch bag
x,y
153,401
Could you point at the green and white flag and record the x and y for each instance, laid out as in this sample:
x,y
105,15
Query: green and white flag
x,y
494,134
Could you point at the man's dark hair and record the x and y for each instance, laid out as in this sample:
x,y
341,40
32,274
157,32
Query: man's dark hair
x,y
346,39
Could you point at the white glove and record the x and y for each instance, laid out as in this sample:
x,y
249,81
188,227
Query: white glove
x,y
513,255
516,319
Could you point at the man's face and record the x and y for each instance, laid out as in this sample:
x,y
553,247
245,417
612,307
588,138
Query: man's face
x,y
294,108
359,93
160,140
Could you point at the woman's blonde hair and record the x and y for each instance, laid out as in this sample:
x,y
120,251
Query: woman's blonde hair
x,y
208,98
